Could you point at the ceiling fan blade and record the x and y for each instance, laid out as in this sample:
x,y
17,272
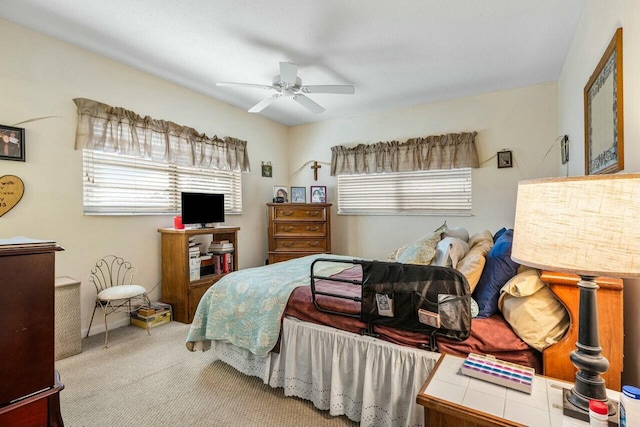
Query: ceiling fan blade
x,y
250,85
340,89
263,104
308,103
288,72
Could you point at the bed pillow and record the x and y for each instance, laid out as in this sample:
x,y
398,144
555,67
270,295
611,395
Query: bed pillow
x,y
498,269
457,232
483,237
471,267
449,251
472,264
422,251
532,310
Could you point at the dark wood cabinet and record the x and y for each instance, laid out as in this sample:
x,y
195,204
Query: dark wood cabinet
x,y
298,229
29,384
177,287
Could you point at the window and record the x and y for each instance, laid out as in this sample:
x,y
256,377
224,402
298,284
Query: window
x,y
432,192
124,185
134,165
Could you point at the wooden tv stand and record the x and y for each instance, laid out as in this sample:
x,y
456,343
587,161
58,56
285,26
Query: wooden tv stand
x,y
177,288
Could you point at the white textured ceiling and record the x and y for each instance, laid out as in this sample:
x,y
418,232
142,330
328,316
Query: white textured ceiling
x,y
396,53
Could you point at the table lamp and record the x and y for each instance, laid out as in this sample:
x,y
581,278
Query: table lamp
x,y
589,226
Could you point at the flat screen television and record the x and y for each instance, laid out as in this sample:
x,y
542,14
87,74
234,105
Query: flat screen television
x,y
202,209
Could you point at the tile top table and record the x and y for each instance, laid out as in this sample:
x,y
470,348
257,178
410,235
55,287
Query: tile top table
x,y
451,398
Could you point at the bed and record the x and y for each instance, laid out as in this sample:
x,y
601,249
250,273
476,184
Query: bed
x,y
263,322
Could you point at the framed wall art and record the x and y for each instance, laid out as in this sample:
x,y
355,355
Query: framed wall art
x,y
11,143
505,159
267,170
603,119
318,194
298,195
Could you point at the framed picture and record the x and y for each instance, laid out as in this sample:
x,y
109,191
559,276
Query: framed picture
x,y
505,159
267,170
603,121
298,195
11,143
318,194
564,149
280,194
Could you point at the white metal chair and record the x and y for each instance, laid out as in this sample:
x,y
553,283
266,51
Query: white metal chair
x,y
112,277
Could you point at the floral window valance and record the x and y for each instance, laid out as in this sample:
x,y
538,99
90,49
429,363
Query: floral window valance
x,y
451,151
116,130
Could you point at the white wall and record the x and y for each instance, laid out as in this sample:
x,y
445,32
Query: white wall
x,y
598,23
523,120
40,76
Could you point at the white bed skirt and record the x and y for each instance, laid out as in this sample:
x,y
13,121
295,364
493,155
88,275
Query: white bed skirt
x,y
366,379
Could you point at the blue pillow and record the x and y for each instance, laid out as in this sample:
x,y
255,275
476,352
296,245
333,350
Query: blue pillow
x,y
498,269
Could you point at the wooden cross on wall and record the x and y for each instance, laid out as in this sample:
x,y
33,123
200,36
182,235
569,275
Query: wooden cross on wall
x,y
315,168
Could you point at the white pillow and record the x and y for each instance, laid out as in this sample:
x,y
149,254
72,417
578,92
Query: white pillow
x,y
459,232
449,251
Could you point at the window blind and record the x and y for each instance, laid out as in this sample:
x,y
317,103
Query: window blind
x,y
433,192
115,184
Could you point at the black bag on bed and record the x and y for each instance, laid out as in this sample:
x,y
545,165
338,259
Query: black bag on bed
x,y
419,298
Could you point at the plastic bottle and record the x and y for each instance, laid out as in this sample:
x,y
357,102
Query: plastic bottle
x,y
598,414
629,408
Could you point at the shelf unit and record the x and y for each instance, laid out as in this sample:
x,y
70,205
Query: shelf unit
x,y
177,288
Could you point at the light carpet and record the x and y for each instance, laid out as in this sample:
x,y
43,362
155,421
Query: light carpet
x,y
154,380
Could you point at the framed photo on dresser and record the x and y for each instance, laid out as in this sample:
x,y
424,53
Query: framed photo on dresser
x,y
298,195
318,194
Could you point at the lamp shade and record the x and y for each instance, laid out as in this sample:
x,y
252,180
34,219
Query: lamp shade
x,y
588,225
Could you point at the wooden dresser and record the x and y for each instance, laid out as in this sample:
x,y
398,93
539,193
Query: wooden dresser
x,y
29,383
555,359
298,229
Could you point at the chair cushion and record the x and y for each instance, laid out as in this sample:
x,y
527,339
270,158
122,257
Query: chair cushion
x,y
121,292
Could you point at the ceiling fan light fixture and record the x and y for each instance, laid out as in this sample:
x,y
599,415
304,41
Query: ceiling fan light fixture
x,y
288,84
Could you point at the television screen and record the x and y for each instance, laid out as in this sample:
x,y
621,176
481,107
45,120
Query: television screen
x,y
202,208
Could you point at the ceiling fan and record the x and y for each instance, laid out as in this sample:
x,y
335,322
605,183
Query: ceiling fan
x,y
288,84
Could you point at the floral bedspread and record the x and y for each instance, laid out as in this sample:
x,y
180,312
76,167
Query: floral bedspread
x,y
245,307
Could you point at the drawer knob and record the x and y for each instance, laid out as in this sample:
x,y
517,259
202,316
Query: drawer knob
x,y
314,213
287,213
313,244
310,228
289,228
287,244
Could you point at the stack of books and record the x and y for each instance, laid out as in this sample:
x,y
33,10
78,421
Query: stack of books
x,y
221,246
219,259
194,259
156,315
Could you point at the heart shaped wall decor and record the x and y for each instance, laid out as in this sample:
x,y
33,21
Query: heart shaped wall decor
x,y
11,191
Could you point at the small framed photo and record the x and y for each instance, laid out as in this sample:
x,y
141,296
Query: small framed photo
x,y
298,195
505,159
318,194
280,194
11,143
267,170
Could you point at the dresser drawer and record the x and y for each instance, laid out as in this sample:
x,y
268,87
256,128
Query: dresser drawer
x,y
287,229
285,256
302,213
305,245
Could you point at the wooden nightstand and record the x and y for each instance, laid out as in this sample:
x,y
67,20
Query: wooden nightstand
x,y
453,399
